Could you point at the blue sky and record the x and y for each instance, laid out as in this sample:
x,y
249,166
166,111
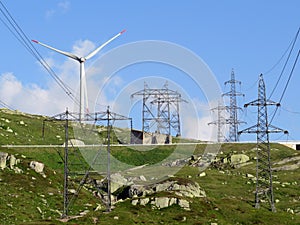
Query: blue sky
x,y
249,36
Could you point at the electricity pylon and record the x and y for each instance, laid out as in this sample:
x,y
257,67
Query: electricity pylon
x,y
220,122
233,121
264,186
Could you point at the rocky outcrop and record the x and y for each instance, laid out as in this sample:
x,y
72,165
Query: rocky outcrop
x,y
10,162
178,190
183,191
3,158
291,163
162,202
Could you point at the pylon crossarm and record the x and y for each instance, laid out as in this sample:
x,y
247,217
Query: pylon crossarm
x,y
252,129
275,129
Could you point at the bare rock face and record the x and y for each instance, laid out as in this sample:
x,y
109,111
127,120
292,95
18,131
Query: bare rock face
x,y
182,190
3,158
161,202
179,191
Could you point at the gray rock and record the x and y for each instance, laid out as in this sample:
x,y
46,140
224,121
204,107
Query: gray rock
x,y
37,166
18,170
173,201
75,142
163,186
12,161
184,204
144,201
287,167
138,190
203,174
3,157
134,201
239,158
117,181
162,202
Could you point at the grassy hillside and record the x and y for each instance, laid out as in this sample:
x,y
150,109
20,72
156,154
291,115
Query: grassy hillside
x,y
30,198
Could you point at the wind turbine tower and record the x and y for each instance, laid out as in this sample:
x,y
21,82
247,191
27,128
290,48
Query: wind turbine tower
x,y
83,100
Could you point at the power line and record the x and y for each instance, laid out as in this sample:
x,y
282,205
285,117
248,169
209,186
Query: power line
x,y
277,63
6,105
20,35
287,83
288,58
294,112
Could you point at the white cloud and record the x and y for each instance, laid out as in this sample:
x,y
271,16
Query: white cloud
x,y
51,99
195,116
61,7
31,98
83,47
64,6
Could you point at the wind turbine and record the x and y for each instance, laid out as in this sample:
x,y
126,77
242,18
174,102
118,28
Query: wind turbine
x,y
83,101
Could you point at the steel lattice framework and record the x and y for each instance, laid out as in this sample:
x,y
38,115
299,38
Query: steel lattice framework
x,y
220,122
233,121
160,110
96,117
264,186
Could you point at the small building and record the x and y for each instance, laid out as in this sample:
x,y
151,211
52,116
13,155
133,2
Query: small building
x,y
291,144
140,137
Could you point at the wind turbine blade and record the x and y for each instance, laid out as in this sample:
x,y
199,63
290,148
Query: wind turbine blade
x,y
103,45
59,51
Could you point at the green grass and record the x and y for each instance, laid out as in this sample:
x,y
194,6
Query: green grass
x,y
230,194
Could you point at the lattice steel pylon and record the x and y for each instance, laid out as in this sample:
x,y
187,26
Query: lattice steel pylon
x,y
264,185
233,121
83,122
160,110
220,122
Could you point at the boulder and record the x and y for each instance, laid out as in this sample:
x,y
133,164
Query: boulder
x,y
203,174
239,159
75,142
3,157
162,202
117,181
37,166
72,142
173,201
249,175
163,186
144,201
138,190
184,204
12,161
134,201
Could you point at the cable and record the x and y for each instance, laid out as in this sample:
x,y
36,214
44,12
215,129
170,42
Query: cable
x,y
288,81
277,63
29,46
286,85
295,39
6,105
25,41
294,112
